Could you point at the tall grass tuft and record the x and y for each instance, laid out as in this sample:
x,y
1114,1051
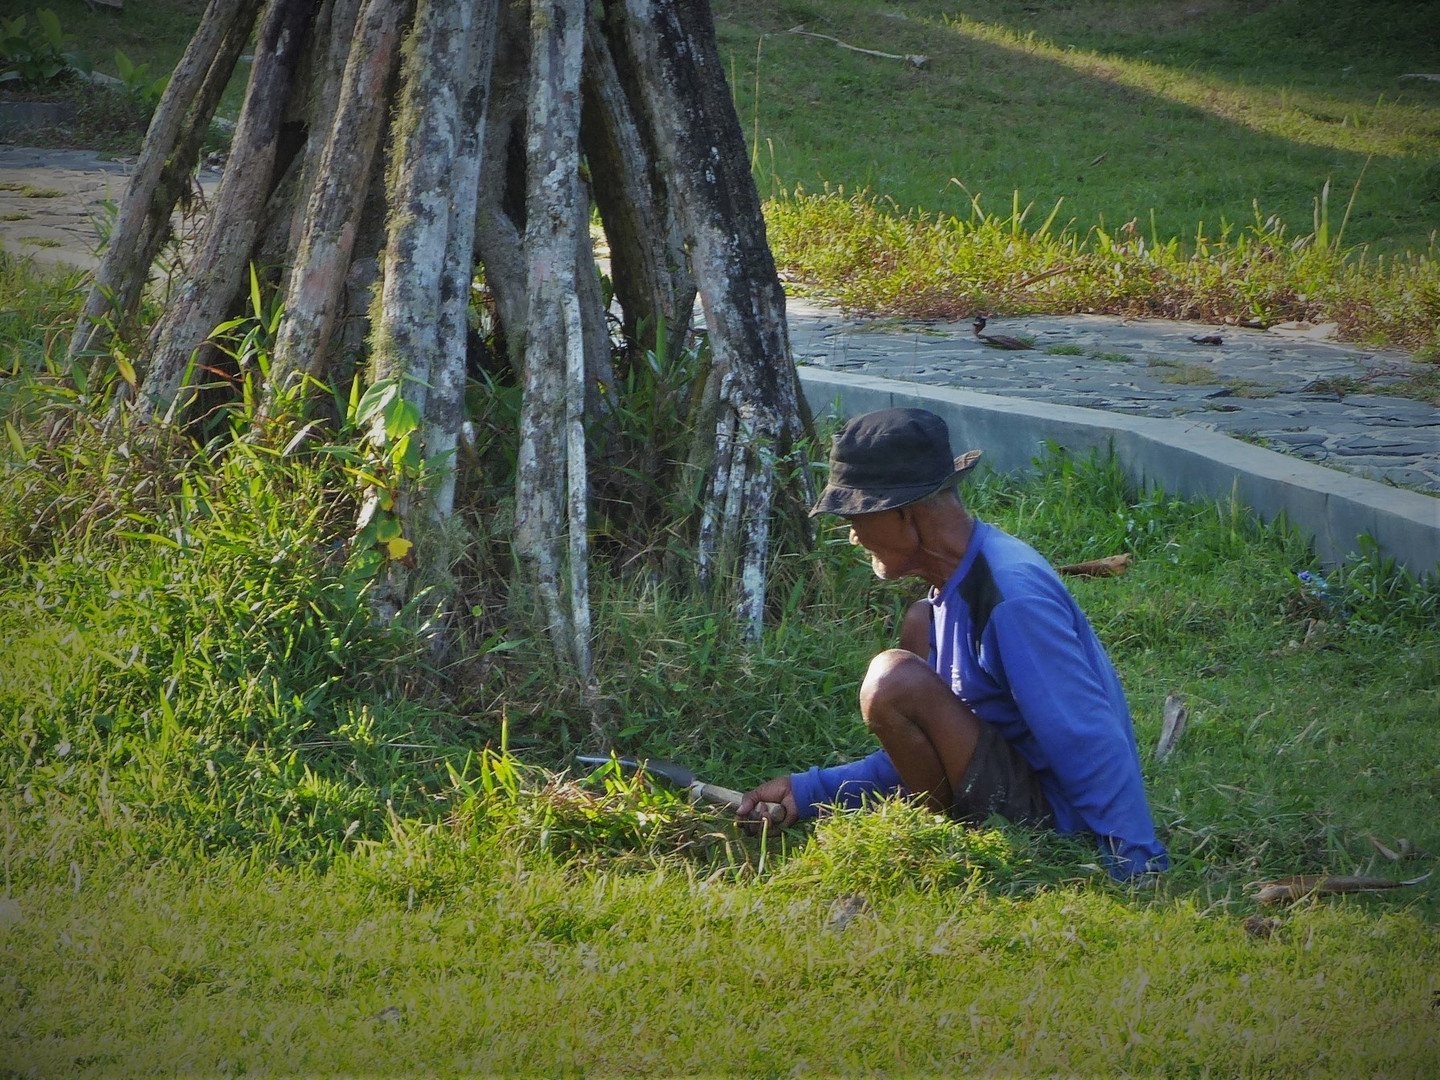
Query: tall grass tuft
x,y
866,255
185,655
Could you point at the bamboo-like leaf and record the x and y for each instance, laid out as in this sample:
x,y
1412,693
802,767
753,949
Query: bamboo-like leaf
x,y
16,442
256,308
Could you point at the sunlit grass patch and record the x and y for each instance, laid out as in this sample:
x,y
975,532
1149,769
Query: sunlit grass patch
x,y
1129,113
1392,127
857,250
528,968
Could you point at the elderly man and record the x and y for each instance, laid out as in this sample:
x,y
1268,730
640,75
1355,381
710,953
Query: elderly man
x,y
1001,699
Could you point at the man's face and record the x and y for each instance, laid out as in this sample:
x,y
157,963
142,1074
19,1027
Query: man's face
x,y
891,540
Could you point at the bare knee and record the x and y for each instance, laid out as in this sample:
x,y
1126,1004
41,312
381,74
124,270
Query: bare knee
x,y
894,677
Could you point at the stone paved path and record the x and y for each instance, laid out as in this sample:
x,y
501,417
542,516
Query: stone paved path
x,y
1277,387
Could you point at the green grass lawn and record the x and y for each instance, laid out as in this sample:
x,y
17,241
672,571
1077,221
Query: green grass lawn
x,y
1173,117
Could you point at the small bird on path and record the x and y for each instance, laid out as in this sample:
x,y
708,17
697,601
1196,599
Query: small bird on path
x,y
998,341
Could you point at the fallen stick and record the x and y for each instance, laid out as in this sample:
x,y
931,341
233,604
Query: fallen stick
x,y
1110,566
1302,885
918,61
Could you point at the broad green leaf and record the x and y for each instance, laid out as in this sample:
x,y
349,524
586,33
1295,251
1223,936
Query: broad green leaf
x,y
50,23
401,418
398,548
407,455
374,401
126,369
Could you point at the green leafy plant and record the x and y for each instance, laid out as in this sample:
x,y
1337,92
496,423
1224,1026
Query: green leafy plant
x,y
136,83
392,467
34,53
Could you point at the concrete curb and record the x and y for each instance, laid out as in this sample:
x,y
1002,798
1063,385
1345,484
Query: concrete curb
x,y
1184,458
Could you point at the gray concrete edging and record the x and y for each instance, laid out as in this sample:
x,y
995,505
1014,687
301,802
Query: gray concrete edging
x,y
1181,456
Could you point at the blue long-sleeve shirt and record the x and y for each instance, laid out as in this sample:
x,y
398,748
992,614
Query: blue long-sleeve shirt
x,y
1013,645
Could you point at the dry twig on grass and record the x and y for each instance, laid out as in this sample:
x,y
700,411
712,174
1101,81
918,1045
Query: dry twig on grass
x,y
918,61
1110,566
1302,885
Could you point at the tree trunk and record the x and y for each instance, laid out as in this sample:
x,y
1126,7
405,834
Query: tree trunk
x,y
338,28
162,173
436,74
647,252
493,125
317,279
552,446
680,84
217,271
500,214
446,410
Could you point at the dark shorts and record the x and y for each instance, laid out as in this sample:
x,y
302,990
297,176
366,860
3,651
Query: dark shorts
x,y
1000,781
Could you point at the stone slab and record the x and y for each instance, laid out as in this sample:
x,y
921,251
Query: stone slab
x,y
1186,458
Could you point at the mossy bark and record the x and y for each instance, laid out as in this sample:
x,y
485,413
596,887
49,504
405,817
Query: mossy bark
x,y
678,81
551,486
315,291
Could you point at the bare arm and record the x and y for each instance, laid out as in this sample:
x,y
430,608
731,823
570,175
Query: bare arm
x,y
915,629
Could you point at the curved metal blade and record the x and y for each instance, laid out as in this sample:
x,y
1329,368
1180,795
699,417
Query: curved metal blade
x,y
666,771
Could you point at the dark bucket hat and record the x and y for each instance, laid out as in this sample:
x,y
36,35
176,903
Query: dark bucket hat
x,y
887,459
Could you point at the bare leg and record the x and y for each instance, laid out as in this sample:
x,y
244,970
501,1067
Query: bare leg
x,y
929,733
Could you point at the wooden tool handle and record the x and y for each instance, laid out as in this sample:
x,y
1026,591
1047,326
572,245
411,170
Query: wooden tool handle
x,y
722,796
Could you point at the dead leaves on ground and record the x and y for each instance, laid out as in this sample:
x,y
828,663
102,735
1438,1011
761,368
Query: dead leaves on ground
x,y
1170,729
